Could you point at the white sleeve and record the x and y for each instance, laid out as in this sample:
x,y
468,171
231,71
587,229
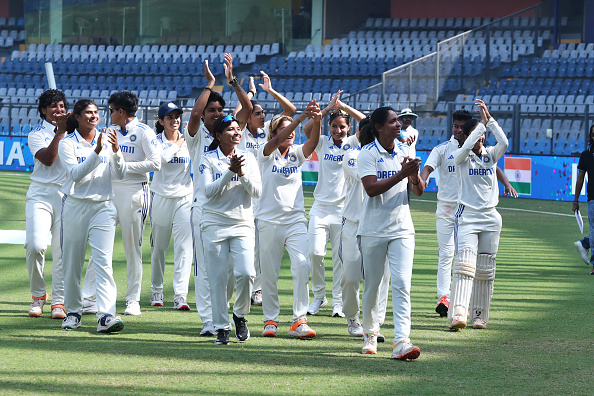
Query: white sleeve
x,y
502,142
75,170
251,180
212,187
366,164
349,165
435,158
151,149
36,142
118,165
461,154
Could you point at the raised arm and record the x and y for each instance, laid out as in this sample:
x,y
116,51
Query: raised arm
x,y
288,107
200,103
316,117
242,115
251,93
48,155
280,137
327,110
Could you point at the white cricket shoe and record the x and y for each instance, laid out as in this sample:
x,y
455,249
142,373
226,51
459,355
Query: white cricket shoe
x,y
109,324
157,300
36,308
71,322
270,329
404,350
316,304
300,329
369,344
207,329
181,304
479,323
337,311
457,322
58,311
132,308
582,251
89,306
355,328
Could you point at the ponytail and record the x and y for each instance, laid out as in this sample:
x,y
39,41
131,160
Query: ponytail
x,y
71,124
159,128
379,117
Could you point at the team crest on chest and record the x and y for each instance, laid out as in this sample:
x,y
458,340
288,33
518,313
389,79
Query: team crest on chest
x,y
292,158
486,159
133,138
346,146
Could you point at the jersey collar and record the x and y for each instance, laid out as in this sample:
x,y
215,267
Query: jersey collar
x,y
82,140
130,125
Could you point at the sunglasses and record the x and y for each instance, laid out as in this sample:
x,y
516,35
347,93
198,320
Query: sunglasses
x,y
229,118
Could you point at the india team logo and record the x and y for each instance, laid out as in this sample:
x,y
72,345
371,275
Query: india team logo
x,y
486,159
133,138
261,135
346,146
292,158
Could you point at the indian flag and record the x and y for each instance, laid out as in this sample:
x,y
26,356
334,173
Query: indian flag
x,y
310,170
519,173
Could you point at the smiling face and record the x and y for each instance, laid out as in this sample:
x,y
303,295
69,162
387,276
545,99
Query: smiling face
x,y
257,117
54,108
391,128
171,121
288,141
212,111
229,137
88,118
457,131
339,128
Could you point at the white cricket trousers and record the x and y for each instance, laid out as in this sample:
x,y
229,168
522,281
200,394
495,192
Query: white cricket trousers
x,y
43,212
325,223
400,254
273,239
353,274
222,243
171,215
444,226
132,201
201,285
95,222
477,230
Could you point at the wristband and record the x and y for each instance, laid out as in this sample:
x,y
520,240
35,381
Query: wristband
x,y
208,89
415,184
233,81
253,93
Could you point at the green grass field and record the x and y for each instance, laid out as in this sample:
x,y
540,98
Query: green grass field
x,y
537,341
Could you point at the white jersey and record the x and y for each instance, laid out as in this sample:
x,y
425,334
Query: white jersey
x,y
253,143
442,160
138,144
228,196
88,175
387,214
410,131
477,176
198,145
330,188
353,203
173,180
282,186
39,138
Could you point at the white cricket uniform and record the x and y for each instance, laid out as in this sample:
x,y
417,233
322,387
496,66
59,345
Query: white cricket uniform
x,y
197,146
350,252
43,213
478,224
325,215
282,224
170,211
441,159
252,144
410,131
89,215
228,231
386,230
138,144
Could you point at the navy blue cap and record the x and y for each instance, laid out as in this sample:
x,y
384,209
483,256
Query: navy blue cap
x,y
167,108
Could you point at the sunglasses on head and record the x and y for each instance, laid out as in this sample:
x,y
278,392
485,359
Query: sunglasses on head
x,y
228,118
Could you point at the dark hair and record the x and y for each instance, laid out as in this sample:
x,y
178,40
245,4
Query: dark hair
x,y
461,115
71,122
362,124
342,114
255,103
469,126
160,128
48,97
219,126
590,140
126,100
215,97
379,116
